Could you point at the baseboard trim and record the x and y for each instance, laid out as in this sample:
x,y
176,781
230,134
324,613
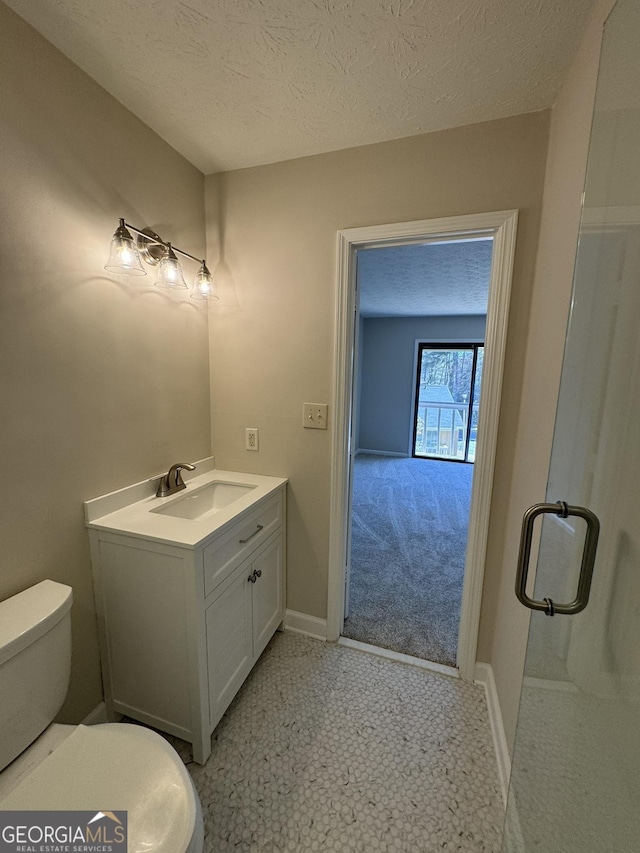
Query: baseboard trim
x,y
381,453
484,676
438,668
97,716
302,623
549,684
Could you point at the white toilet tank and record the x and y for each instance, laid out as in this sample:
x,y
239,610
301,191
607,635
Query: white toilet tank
x,y
35,663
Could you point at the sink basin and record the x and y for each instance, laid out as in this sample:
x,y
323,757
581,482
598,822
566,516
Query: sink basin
x,y
211,502
210,498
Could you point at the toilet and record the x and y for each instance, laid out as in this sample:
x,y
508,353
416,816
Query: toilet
x,y
48,766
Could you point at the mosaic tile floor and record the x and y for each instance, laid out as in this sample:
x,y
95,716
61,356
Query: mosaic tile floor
x,y
329,748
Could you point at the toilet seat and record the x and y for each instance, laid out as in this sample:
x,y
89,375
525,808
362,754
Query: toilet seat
x,y
117,766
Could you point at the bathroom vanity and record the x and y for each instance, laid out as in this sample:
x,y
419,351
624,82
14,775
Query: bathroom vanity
x,y
189,590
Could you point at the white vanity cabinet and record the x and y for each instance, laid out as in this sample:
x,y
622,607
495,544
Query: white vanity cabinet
x,y
182,625
240,621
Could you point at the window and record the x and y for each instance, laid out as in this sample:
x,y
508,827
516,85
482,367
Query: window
x,y
447,401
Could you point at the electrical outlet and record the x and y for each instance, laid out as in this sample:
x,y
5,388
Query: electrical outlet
x,y
251,438
314,415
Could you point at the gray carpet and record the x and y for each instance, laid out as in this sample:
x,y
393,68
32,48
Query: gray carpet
x,y
409,537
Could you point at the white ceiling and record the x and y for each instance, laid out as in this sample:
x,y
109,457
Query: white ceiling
x,y
235,83
427,279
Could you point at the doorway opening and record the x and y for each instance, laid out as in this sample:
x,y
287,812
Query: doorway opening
x,y
415,377
500,228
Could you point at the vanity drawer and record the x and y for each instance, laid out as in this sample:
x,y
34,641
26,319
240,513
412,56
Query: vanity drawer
x,y
228,551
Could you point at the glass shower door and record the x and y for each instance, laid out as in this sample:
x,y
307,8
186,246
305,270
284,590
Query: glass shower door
x,y
575,781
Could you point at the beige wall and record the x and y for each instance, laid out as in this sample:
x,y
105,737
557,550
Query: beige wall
x,y
271,340
104,380
564,181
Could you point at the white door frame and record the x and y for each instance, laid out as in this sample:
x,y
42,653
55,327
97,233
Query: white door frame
x,y
502,226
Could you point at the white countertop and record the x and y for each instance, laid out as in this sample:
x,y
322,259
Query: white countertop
x,y
129,510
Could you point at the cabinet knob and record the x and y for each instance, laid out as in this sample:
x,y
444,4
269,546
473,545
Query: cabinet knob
x,y
252,578
258,573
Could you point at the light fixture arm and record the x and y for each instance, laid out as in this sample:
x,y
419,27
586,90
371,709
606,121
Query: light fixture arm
x,y
155,238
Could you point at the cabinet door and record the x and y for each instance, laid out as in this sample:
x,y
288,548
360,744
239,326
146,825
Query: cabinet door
x,y
229,641
267,594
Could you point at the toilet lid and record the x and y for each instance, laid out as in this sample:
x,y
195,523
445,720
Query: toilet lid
x,y
113,767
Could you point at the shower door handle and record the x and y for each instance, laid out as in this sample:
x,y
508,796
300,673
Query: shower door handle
x,y
563,510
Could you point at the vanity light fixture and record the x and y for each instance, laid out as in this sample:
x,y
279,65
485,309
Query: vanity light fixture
x,y
203,286
127,254
124,256
170,271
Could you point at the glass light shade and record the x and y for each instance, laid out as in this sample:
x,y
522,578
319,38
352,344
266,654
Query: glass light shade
x,y
170,271
203,285
124,257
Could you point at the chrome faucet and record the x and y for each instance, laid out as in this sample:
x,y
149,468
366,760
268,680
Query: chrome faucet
x,y
173,481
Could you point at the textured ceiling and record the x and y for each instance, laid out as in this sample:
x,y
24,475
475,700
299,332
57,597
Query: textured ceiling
x,y
234,83
427,279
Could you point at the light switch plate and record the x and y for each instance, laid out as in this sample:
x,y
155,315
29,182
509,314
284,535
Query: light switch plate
x,y
314,415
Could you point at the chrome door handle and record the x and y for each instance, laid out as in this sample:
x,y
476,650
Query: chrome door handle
x,y
563,510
